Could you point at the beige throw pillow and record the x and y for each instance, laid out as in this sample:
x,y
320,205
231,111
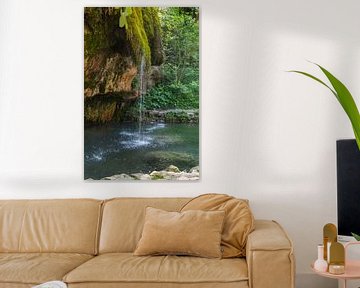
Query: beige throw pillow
x,y
239,220
194,232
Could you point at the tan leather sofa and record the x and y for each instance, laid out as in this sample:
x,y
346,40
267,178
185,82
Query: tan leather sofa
x,y
89,243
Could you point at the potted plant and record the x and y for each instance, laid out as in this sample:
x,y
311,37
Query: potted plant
x,y
345,99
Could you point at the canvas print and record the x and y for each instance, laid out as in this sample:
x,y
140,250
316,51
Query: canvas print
x,y
141,93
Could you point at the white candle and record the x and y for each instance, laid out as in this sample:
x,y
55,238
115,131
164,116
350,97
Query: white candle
x,y
328,252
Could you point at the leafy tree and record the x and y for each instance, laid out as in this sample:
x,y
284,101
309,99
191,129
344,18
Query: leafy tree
x,y
181,44
180,38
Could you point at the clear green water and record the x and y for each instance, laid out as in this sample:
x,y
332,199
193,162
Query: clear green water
x,y
120,148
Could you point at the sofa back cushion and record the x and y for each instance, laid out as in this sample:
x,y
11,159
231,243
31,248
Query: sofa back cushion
x,y
238,224
67,226
123,220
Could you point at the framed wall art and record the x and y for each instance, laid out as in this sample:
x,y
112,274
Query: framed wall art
x,y
141,93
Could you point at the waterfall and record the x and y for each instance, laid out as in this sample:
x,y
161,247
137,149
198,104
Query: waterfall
x,y
142,91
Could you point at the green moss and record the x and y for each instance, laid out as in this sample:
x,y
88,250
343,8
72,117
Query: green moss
x,y
180,117
143,31
151,20
137,35
152,27
157,176
141,37
96,30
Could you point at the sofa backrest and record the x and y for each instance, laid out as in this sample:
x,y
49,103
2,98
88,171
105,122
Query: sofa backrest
x,y
123,220
68,226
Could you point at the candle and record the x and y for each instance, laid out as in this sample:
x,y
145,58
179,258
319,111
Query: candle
x,y
336,269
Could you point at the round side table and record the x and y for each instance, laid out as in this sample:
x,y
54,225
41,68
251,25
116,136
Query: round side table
x,y
352,269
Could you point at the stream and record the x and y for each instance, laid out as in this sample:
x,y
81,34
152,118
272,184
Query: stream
x,y
124,148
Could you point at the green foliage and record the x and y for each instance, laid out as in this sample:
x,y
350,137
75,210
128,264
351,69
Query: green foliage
x,y
180,85
177,117
356,236
174,95
344,97
181,45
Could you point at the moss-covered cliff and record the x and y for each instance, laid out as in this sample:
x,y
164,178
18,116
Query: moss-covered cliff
x,y
112,56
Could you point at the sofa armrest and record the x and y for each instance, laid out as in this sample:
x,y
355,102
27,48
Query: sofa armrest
x,y
269,256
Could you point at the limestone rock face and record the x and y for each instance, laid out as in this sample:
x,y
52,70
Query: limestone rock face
x,y
108,73
112,57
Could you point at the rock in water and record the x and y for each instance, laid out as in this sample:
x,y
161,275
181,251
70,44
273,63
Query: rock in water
x,y
173,168
195,169
141,176
118,177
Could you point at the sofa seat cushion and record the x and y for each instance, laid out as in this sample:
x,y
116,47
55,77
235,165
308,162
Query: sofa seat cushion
x,y
36,268
125,267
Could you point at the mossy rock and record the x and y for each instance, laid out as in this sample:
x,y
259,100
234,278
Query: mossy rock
x,y
195,169
157,175
173,168
112,56
142,35
177,117
106,108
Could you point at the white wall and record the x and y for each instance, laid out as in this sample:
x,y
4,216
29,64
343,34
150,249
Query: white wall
x,y
266,135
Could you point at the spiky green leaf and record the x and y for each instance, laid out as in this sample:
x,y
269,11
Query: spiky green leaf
x,y
316,79
356,236
347,102
344,97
